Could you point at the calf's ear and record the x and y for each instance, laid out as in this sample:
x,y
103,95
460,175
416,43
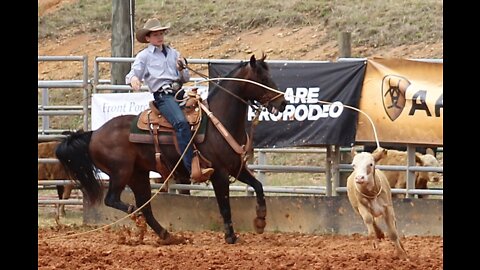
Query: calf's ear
x,y
353,152
418,159
379,153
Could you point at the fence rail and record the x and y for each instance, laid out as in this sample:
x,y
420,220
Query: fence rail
x,y
83,84
332,167
330,189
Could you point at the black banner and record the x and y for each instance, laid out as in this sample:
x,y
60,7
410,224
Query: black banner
x,y
316,94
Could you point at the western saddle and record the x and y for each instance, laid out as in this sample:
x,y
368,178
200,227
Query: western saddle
x,y
157,130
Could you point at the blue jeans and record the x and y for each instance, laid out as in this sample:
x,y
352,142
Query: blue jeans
x,y
170,109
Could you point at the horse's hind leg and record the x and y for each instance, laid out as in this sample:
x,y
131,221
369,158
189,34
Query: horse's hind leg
x,y
141,188
221,187
116,185
247,178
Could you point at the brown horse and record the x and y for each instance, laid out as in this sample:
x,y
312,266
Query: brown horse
x,y
54,171
109,149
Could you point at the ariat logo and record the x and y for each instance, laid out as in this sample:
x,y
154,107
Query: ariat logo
x,y
393,95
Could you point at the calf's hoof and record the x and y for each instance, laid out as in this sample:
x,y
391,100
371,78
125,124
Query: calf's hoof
x,y
401,254
375,243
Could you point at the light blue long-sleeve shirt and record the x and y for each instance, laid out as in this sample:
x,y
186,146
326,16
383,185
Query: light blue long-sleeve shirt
x,y
156,69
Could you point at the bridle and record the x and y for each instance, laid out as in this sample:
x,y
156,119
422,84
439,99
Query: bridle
x,y
264,102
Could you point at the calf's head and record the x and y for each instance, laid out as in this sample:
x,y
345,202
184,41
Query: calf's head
x,y
364,165
431,161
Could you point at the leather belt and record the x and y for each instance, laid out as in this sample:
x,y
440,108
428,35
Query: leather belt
x,y
175,86
165,87
159,93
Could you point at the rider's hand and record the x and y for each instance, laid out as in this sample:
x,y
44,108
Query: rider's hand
x,y
135,83
180,64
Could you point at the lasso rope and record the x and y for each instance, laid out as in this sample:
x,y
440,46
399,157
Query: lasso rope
x,y
143,205
320,101
189,143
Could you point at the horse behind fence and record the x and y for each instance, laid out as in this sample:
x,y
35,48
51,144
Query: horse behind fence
x,y
55,171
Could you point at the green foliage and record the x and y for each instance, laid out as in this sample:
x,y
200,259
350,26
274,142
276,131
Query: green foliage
x,y
215,226
78,17
371,22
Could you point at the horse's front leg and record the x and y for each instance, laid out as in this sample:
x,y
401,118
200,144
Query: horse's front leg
x,y
259,222
222,194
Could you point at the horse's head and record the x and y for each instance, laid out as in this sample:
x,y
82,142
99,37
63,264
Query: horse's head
x,y
258,71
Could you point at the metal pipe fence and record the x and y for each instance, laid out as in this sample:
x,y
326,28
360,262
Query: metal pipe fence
x,y
82,84
263,167
332,166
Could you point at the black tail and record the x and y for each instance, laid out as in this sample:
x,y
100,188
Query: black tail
x,y
74,155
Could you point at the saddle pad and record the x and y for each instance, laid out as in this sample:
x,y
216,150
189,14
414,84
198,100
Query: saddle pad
x,y
165,136
148,139
140,125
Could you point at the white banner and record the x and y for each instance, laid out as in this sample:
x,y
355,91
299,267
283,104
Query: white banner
x,y
106,106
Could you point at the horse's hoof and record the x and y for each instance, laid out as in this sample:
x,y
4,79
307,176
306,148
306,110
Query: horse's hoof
x,y
231,239
171,240
259,225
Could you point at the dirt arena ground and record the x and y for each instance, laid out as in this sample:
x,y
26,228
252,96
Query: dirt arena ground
x,y
60,248
121,248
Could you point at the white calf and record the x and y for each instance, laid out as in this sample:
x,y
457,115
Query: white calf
x,y
369,194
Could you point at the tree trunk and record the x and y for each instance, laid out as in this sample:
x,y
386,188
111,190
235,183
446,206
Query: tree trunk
x,y
121,38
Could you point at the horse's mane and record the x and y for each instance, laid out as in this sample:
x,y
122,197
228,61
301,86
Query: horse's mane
x,y
228,75
231,73
241,65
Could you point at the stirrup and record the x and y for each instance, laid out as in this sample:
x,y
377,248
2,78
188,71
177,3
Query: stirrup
x,y
204,176
207,172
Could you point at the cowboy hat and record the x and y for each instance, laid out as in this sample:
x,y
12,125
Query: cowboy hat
x,y
150,26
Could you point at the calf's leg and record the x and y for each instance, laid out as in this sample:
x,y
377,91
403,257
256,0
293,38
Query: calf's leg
x,y
369,222
378,231
392,232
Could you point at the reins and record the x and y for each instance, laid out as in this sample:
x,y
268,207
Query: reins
x,y
217,84
207,79
241,150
